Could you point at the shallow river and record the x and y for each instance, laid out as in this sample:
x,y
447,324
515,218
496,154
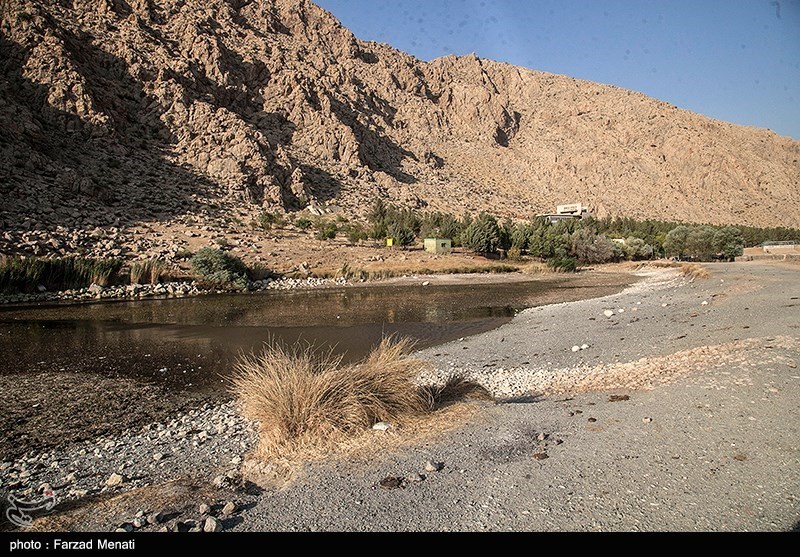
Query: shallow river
x,y
191,343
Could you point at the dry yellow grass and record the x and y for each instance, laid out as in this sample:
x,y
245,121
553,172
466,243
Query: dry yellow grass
x,y
310,406
536,268
694,271
147,272
306,399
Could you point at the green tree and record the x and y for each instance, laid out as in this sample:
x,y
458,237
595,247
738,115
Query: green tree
x,y
377,220
700,243
675,241
482,235
402,234
520,235
556,243
637,249
378,211
387,221
589,247
505,234
537,240
729,242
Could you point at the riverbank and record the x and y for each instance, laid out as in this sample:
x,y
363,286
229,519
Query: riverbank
x,y
93,369
698,432
174,289
313,265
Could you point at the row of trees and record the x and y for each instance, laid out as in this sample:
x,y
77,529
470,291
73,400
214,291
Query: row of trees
x,y
643,239
586,241
704,243
654,231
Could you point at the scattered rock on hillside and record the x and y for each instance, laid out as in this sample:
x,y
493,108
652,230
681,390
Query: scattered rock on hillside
x,y
229,508
211,524
114,480
433,466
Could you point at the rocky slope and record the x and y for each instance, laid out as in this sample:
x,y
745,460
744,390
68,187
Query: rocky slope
x,y
118,116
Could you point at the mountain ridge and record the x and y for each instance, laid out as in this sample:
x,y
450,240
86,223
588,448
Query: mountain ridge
x,y
117,113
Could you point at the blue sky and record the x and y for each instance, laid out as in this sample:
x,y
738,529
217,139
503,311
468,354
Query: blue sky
x,y
735,60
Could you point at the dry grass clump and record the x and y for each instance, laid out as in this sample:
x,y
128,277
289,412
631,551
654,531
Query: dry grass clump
x,y
24,274
455,389
536,268
694,271
307,400
147,272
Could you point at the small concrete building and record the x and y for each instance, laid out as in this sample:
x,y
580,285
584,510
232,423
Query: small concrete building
x,y
575,209
438,245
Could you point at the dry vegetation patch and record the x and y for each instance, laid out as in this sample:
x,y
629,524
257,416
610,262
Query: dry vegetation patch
x,y
309,405
695,271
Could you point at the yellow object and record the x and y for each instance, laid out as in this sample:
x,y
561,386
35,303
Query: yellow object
x,y
389,242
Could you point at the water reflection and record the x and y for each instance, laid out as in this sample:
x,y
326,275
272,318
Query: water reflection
x,y
191,343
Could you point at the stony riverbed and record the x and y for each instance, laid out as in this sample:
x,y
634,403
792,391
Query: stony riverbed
x,y
163,290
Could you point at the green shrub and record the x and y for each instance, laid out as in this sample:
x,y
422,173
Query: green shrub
x,y
514,254
219,268
267,221
303,223
326,230
350,273
563,263
356,233
258,271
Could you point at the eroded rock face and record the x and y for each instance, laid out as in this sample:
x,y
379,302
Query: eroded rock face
x,y
118,111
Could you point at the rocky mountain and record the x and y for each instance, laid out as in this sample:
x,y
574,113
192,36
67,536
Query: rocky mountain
x,y
115,113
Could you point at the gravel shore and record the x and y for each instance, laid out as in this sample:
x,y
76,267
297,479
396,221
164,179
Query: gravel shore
x,y
177,289
670,406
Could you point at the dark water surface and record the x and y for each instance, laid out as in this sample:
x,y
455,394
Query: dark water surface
x,y
191,343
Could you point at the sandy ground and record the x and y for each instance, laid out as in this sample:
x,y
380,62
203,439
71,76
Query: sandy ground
x,y
680,414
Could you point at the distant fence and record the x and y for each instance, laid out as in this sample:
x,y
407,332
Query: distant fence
x,y
782,243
